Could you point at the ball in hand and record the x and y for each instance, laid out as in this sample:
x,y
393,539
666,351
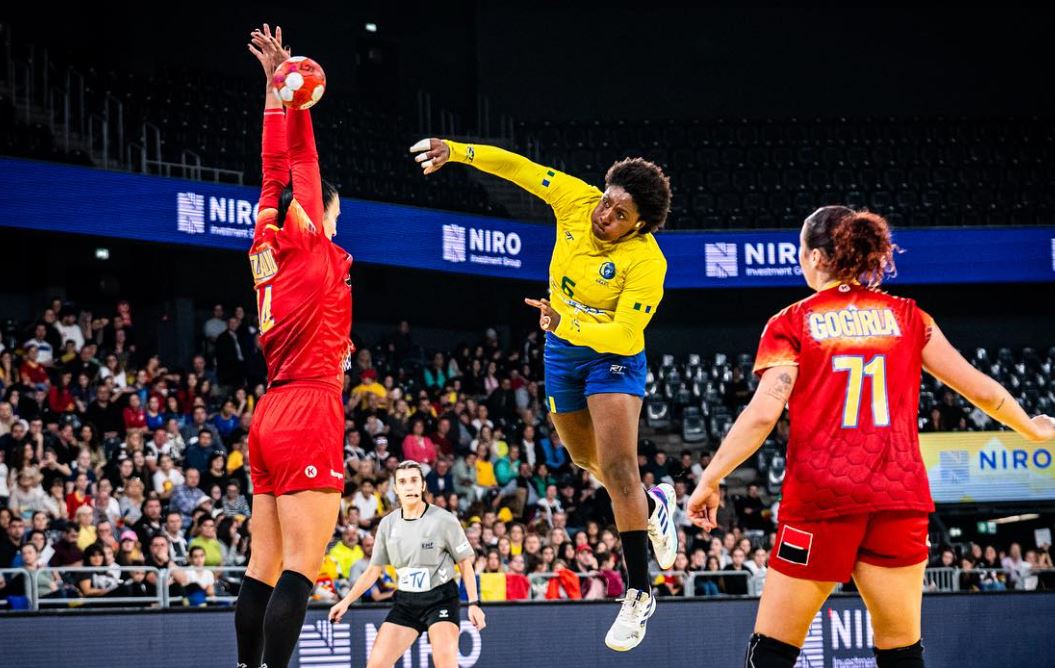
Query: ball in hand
x,y
299,82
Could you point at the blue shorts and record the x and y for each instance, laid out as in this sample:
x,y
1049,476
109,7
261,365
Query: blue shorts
x,y
576,372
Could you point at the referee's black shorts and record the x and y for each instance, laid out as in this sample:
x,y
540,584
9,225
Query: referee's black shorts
x,y
420,610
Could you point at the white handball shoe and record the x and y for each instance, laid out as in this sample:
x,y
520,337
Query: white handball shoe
x,y
628,629
661,529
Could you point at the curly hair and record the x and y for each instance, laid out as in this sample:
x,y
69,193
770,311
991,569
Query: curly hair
x,y
858,243
648,186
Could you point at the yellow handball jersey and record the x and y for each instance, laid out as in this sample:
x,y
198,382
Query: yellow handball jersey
x,y
606,292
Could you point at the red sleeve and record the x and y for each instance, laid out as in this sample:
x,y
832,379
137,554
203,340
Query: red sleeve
x,y
274,158
928,324
780,343
304,160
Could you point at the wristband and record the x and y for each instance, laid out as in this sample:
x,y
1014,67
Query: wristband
x,y
476,603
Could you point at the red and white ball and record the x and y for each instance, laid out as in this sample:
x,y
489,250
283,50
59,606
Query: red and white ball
x,y
299,82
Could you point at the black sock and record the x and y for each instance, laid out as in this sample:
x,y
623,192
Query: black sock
x,y
284,617
249,620
766,652
901,657
635,552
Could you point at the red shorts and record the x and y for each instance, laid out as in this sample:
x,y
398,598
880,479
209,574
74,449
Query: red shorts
x,y
296,441
827,550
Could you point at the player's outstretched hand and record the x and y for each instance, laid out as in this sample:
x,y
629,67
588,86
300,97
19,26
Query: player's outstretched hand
x,y
337,612
431,154
268,49
477,617
1044,428
703,506
548,318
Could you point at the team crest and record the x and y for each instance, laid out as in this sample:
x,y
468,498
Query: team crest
x,y
607,271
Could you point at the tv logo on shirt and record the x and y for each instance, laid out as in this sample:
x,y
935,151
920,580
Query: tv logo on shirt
x,y
481,246
219,216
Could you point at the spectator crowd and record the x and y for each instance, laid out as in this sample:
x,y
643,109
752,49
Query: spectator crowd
x,y
114,459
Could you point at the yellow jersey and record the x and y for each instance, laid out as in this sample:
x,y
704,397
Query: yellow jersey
x,y
606,292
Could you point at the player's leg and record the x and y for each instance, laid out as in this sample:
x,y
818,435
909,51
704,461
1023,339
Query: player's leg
x,y
307,519
807,561
889,574
265,562
391,644
576,433
443,637
615,418
894,597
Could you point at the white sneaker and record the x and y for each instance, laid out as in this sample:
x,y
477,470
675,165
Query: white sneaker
x,y
628,629
661,529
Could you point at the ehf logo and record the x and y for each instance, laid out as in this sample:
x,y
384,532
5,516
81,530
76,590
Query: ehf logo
x,y
454,243
325,645
607,271
721,260
190,213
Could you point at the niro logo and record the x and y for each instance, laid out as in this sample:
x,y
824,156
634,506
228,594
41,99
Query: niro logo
x,y
721,260
325,645
454,243
190,213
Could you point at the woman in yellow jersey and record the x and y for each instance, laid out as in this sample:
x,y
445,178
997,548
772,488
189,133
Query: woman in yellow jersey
x,y
605,282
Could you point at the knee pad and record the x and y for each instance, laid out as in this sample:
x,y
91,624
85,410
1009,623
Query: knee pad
x,y
901,657
766,652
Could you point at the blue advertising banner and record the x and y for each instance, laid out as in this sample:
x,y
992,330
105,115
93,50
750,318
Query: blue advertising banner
x,y
683,632
79,200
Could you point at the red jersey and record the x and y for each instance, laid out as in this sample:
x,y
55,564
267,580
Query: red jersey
x,y
854,443
304,298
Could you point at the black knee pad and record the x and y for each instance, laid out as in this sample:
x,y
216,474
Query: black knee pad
x,y
901,657
766,652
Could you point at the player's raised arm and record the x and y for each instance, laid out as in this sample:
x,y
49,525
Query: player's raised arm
x,y
304,162
267,48
555,188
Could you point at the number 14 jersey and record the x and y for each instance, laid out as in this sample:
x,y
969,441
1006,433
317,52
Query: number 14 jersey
x,y
854,442
304,299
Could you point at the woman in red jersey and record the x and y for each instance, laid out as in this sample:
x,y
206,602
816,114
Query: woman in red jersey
x,y
297,434
847,363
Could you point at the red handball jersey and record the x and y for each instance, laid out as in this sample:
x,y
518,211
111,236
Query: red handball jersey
x,y
304,298
854,443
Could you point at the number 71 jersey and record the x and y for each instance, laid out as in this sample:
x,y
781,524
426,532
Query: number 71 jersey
x,y
854,442
304,299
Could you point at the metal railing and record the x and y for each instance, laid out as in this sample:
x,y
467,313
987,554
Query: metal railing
x,y
28,582
157,599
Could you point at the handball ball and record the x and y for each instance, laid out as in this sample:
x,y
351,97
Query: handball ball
x,y
299,82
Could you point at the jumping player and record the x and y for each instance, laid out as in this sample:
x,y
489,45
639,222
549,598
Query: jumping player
x,y
423,543
295,442
606,281
847,362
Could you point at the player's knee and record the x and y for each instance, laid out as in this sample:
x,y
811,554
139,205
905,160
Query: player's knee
x,y
622,479
447,658
264,568
766,652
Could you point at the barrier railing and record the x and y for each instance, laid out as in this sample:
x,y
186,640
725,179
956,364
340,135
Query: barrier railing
x,y
156,599
28,582
935,580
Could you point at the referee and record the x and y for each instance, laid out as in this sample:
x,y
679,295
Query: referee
x,y
423,543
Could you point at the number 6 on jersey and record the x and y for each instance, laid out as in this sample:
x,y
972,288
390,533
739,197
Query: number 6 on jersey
x,y
876,368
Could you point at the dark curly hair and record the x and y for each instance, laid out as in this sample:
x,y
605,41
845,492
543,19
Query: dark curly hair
x,y
858,243
648,186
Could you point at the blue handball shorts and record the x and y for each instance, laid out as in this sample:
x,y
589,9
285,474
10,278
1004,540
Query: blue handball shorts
x,y
576,372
